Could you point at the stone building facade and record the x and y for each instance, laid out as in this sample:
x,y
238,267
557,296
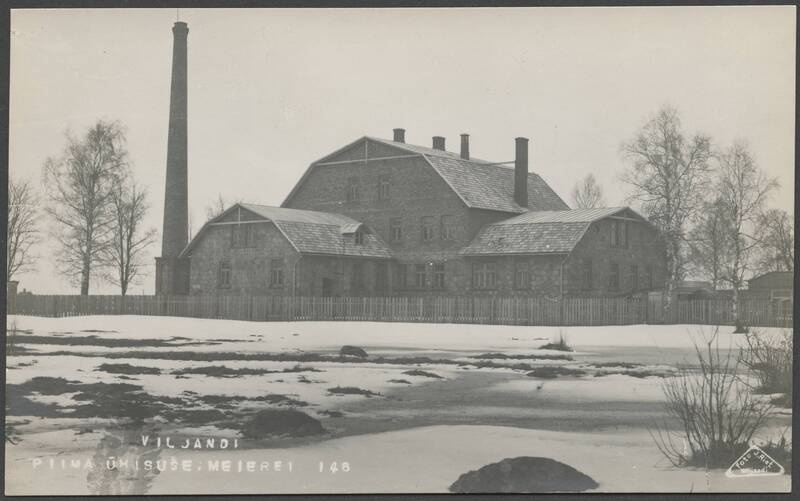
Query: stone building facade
x,y
380,217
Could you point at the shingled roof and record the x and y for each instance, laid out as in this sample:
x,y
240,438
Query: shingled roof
x,y
480,184
545,232
311,232
483,185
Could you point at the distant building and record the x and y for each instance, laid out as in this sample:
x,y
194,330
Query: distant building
x,y
775,285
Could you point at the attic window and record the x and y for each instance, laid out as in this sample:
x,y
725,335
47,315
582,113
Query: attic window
x,y
358,237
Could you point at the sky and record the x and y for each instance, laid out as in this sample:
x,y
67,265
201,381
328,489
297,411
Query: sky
x,y
272,90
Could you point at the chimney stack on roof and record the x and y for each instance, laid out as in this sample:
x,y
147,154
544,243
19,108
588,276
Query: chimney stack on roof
x,y
465,146
521,172
438,143
399,135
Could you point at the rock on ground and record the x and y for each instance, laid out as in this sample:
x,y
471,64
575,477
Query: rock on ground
x,y
524,474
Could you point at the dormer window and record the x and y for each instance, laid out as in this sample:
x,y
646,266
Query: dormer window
x,y
358,237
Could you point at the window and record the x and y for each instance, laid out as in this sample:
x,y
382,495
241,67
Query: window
x,y
401,276
419,276
619,234
353,189
382,277
224,275
623,238
276,274
648,277
438,275
396,229
634,277
586,279
358,237
613,277
448,228
484,275
383,188
241,235
614,234
427,228
522,274
357,278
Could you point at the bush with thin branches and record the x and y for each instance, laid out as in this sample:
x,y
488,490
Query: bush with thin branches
x,y
768,358
717,412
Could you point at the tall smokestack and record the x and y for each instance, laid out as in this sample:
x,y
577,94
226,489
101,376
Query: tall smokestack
x,y
399,135
438,143
171,273
465,146
176,204
521,172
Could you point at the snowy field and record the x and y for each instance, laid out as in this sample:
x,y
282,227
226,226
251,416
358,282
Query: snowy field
x,y
429,403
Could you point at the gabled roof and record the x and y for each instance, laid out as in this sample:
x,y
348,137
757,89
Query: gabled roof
x,y
310,232
545,232
479,184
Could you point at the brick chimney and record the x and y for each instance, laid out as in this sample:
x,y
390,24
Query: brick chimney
x,y
465,146
399,135
438,143
521,172
171,272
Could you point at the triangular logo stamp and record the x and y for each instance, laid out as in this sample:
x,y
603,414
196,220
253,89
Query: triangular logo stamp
x,y
754,463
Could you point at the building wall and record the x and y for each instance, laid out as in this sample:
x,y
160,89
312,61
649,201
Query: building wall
x,y
250,266
415,191
543,275
645,250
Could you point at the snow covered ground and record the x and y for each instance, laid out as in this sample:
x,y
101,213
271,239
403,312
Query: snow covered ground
x,y
416,432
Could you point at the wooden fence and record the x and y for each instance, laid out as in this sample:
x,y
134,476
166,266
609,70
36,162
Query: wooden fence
x,y
471,310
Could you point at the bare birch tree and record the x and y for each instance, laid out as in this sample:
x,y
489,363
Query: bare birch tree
x,y
127,247
587,194
743,190
666,175
80,185
776,250
23,230
709,245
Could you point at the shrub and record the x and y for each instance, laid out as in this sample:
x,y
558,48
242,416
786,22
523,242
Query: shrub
x,y
768,357
717,413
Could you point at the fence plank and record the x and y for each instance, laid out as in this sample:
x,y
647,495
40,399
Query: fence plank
x,y
438,309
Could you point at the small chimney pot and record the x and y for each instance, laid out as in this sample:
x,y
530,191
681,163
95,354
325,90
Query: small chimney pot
x,y
521,172
438,143
465,146
399,135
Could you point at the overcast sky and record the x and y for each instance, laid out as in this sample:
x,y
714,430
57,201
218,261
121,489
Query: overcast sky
x,y
272,90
